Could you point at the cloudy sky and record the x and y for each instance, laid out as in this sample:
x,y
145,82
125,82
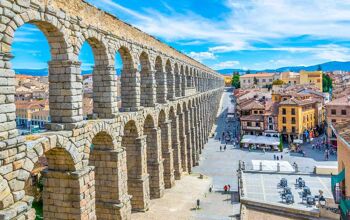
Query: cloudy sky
x,y
248,34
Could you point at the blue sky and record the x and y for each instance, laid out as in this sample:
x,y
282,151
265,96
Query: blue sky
x,y
247,34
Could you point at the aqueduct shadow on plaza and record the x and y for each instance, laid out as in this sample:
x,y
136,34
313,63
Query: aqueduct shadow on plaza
x,y
167,110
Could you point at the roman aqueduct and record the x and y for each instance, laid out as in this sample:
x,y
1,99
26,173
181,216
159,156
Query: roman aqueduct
x,y
106,167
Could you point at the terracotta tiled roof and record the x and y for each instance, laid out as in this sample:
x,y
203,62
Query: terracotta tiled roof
x,y
343,101
293,101
253,105
343,130
252,118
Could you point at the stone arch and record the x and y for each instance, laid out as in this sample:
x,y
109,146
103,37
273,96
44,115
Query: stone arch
x,y
161,81
170,79
129,80
154,157
177,72
138,181
182,136
148,85
175,142
54,31
167,153
63,163
61,56
188,77
109,163
183,81
104,82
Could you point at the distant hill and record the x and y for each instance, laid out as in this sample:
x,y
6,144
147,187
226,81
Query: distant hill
x,y
44,72
329,66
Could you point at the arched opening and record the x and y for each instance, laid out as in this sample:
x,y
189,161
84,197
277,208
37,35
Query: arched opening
x,y
177,81
175,143
167,154
183,81
148,89
170,80
99,81
154,164
161,85
183,148
188,76
106,162
31,82
187,127
138,182
129,81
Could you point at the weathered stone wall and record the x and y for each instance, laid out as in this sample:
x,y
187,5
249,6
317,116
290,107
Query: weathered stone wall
x,y
102,168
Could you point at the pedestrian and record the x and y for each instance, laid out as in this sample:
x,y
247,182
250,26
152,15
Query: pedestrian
x,y
278,158
229,187
225,189
274,157
281,157
220,148
219,139
198,204
225,147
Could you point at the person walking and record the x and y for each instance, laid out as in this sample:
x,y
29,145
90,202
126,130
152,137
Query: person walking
x,y
281,157
225,147
225,189
220,148
274,157
229,187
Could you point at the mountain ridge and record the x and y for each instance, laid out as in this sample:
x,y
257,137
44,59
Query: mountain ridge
x,y
328,66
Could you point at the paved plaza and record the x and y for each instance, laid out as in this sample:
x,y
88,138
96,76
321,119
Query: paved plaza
x,y
263,187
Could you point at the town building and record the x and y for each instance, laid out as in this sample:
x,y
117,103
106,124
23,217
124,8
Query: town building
x,y
252,118
341,182
337,110
313,77
32,114
303,78
259,80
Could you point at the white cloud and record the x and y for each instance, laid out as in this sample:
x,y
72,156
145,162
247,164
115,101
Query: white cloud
x,y
226,64
200,56
249,22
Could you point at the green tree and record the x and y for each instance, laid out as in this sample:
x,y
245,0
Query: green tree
x,y
235,80
255,81
326,82
277,82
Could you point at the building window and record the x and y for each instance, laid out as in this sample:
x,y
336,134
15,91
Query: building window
x,y
261,112
270,127
256,112
257,124
284,120
263,80
333,111
249,123
284,129
270,80
293,111
293,120
244,80
283,111
270,119
334,120
343,111
248,80
293,129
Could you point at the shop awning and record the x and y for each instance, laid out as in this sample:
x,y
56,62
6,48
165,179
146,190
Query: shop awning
x,y
252,139
337,178
344,207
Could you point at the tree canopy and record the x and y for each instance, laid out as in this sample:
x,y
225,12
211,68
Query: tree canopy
x,y
277,82
235,80
326,83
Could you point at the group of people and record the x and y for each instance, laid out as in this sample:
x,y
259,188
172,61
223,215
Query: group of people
x,y
276,157
322,145
227,188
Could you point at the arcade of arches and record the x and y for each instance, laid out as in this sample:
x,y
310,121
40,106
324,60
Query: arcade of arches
x,y
115,164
